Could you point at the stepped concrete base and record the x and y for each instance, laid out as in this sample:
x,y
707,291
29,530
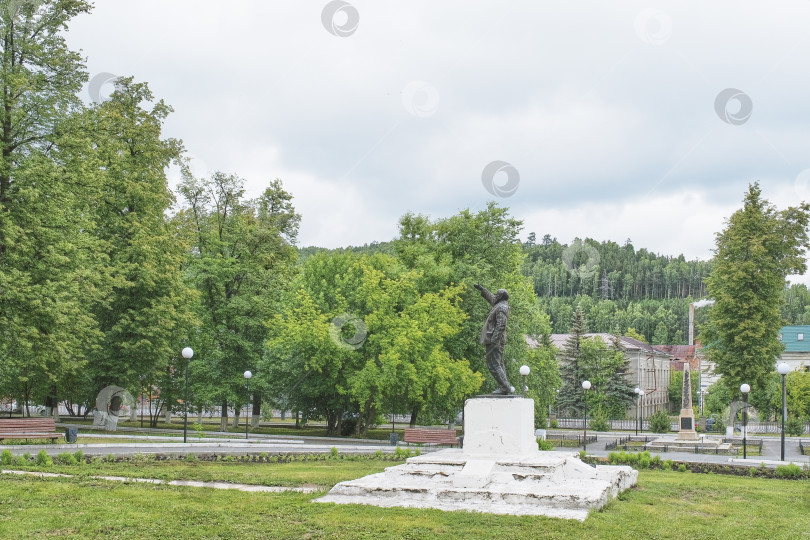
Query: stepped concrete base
x,y
673,444
554,484
499,471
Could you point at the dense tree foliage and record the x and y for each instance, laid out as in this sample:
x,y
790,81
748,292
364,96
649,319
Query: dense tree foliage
x,y
361,340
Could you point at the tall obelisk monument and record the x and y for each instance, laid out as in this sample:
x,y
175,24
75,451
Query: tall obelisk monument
x,y
687,419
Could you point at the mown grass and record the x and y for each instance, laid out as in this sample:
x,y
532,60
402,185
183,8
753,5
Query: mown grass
x,y
297,473
664,505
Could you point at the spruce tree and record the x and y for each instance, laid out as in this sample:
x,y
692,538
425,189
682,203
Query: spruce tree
x,y
570,397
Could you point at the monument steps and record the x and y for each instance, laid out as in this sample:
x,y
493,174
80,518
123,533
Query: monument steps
x,y
555,484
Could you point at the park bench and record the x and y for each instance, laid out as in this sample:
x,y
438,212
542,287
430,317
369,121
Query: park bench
x,y
431,436
28,428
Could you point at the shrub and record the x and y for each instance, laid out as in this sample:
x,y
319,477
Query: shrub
x,y
599,420
554,424
659,422
667,465
79,455
582,454
43,459
334,452
681,468
20,461
378,454
794,426
191,458
789,471
66,458
544,445
6,457
199,429
348,426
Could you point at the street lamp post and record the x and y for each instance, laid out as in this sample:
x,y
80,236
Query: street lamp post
x,y
248,375
744,388
524,371
586,385
783,369
641,409
187,353
638,409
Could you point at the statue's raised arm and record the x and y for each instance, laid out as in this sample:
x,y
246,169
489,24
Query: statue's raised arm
x,y
488,296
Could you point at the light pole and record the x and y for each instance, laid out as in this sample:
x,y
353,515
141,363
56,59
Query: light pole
x,y
248,375
586,385
187,353
638,410
641,409
524,371
744,388
783,369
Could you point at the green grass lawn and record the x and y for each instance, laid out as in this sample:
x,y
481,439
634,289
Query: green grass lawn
x,y
664,505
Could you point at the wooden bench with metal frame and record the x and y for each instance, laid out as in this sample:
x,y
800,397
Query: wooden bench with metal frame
x,y
28,428
430,436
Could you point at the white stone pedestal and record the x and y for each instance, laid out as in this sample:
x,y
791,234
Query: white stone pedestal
x,y
499,426
499,470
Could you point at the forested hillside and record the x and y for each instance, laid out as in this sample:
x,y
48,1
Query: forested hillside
x,y
619,287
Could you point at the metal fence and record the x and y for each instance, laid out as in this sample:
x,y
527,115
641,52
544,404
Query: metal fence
x,y
630,425
569,437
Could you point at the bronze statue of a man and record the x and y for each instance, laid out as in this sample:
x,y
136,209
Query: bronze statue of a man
x,y
493,335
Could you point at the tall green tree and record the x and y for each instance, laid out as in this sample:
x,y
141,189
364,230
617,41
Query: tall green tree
x,y
243,257
759,247
571,396
48,259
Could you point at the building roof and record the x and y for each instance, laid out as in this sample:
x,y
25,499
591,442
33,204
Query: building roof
x,y
681,353
789,335
630,344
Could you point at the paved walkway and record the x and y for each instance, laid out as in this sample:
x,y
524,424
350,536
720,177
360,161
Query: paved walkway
x,y
284,444
771,450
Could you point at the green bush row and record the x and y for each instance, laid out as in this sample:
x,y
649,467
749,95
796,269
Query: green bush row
x,y
78,458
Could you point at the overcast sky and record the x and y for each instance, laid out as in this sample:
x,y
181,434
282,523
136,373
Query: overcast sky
x,y
610,120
